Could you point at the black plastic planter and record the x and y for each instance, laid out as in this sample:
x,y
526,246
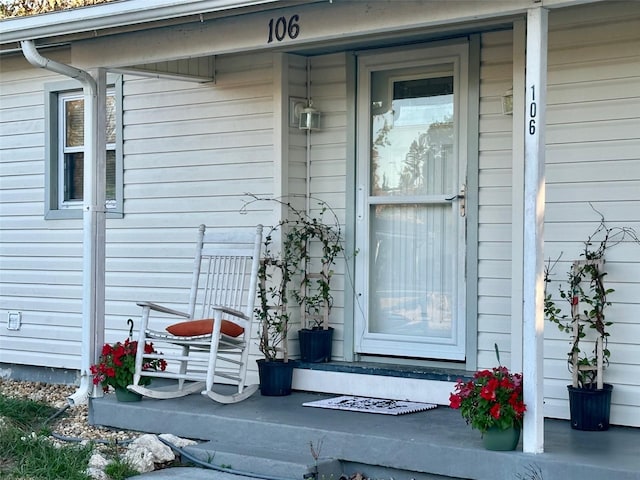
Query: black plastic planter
x,y
590,408
275,377
315,344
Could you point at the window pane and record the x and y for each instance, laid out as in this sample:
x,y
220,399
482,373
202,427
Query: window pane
x,y
410,283
73,176
74,118
74,121
73,159
111,119
111,176
412,134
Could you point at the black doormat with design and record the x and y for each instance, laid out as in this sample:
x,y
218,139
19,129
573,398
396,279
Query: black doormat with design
x,y
371,405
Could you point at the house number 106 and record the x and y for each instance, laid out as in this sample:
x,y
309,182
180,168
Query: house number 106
x,y
533,111
280,28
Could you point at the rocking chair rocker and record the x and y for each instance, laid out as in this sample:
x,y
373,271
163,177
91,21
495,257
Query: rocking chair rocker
x,y
223,292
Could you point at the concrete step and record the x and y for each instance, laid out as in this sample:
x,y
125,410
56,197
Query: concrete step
x,y
252,460
279,465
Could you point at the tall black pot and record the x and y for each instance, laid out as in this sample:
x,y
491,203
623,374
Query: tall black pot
x,y
275,377
590,407
315,344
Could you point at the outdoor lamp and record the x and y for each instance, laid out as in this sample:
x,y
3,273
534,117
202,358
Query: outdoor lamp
x,y
309,118
507,102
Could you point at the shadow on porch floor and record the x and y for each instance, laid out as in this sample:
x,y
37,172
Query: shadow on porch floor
x,y
435,444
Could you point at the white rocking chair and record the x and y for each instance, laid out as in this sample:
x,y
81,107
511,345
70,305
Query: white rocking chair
x,y
223,292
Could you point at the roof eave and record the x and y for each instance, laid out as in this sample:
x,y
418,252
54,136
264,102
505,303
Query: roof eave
x,y
114,15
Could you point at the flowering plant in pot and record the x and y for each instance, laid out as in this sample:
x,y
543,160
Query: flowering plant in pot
x,y
492,402
587,324
116,365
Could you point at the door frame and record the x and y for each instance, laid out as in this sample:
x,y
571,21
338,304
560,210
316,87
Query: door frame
x,y
469,122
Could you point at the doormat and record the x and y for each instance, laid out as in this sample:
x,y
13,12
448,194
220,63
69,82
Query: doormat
x,y
371,405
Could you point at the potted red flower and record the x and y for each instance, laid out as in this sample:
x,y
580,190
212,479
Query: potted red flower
x,y
492,403
116,367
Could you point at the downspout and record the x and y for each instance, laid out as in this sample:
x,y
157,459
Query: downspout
x,y
93,218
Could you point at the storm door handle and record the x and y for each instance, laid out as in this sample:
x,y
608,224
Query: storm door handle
x,y
461,198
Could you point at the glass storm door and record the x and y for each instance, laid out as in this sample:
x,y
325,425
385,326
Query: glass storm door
x,y
410,203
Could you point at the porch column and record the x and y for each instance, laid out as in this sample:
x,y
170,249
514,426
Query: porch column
x,y
534,204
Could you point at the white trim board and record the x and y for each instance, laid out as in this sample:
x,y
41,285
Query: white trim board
x,y
395,388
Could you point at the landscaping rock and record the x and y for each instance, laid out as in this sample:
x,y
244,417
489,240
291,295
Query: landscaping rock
x,y
97,464
146,451
177,441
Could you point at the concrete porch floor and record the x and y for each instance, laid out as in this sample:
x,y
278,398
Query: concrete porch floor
x,y
273,434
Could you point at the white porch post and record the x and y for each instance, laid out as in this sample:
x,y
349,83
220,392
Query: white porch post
x,y
534,204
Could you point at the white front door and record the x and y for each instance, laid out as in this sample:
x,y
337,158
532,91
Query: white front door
x,y
410,231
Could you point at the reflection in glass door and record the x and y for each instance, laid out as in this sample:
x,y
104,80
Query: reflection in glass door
x,y
410,215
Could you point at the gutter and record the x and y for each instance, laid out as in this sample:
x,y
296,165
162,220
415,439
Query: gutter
x,y
118,14
93,218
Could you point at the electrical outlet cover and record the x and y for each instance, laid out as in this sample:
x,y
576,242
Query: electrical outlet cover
x,y
14,320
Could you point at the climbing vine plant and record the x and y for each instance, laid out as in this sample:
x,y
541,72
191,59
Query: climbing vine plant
x,y
588,298
287,273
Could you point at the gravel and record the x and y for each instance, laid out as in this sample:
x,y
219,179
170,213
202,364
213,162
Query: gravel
x,y
72,423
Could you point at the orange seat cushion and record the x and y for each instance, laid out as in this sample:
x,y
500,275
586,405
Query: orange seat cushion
x,y
203,327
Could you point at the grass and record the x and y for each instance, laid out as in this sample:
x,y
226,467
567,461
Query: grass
x,y
118,470
26,452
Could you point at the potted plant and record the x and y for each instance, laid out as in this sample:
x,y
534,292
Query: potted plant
x,y
587,298
291,265
492,402
274,275
116,366
287,275
314,294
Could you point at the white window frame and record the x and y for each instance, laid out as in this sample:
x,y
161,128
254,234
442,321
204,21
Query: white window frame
x,y
55,95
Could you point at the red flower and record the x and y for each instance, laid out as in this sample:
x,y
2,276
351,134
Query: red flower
x,y
491,398
488,392
495,411
118,353
116,364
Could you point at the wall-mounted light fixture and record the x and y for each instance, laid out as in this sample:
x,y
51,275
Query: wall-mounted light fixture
x,y
309,118
302,114
296,105
507,102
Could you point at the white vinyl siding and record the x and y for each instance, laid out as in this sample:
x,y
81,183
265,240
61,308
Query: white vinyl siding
x,y
191,153
593,155
297,139
328,167
40,266
494,209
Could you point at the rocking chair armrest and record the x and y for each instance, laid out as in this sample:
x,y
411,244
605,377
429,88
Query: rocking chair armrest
x,y
231,311
159,308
